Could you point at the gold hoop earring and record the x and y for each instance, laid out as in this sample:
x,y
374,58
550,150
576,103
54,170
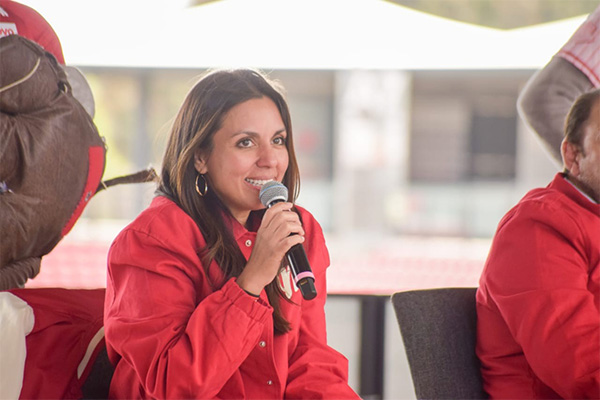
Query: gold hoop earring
x,y
200,192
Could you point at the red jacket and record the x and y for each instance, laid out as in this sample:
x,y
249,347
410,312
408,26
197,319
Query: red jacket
x,y
66,338
539,296
173,336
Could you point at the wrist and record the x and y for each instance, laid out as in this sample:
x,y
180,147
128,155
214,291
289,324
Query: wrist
x,y
252,290
251,294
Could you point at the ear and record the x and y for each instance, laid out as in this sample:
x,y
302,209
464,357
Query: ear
x,y
571,154
200,162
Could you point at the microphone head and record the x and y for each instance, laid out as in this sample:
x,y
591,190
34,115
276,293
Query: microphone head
x,y
272,192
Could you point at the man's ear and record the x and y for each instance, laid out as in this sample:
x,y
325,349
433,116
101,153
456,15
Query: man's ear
x,y
200,162
571,154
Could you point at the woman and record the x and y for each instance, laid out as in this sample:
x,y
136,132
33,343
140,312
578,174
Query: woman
x,y
198,304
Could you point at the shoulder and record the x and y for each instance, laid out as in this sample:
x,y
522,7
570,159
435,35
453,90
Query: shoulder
x,y
538,205
163,221
309,222
160,211
542,200
162,239
314,238
549,211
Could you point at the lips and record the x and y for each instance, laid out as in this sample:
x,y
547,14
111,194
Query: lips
x,y
258,182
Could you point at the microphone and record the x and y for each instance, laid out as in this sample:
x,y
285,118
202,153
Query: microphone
x,y
272,193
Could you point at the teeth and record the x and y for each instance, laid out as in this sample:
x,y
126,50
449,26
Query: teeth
x,y
257,182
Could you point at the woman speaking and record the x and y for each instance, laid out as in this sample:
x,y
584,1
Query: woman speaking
x,y
200,302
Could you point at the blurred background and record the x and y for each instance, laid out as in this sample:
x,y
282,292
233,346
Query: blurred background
x,y
405,126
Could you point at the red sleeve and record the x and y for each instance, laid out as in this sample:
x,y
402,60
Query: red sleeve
x,y
175,344
67,330
316,371
538,274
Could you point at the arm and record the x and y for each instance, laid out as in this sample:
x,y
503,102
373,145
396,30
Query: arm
x,y
315,369
538,276
547,97
179,343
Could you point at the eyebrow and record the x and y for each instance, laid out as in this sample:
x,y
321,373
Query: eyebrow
x,y
254,134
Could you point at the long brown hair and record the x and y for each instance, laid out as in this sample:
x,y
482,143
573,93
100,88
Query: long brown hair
x,y
199,118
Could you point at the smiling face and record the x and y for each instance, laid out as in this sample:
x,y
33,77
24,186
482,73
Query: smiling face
x,y
247,151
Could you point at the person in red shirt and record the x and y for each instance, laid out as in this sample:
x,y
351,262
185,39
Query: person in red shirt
x,y
199,303
19,19
538,328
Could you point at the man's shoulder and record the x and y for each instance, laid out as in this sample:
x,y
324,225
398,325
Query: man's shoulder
x,y
544,198
559,196
542,203
550,206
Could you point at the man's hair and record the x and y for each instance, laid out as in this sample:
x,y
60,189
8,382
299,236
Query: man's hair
x,y
578,116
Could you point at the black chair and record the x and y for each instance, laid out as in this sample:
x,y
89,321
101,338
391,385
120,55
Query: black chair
x,y
98,381
438,328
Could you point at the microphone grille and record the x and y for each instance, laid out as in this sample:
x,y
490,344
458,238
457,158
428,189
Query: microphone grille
x,y
272,191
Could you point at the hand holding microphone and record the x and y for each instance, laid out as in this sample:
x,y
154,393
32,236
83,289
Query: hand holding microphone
x,y
270,194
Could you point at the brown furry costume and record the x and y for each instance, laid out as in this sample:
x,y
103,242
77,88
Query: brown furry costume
x,y
51,158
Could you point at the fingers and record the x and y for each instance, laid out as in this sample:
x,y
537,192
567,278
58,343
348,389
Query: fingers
x,y
283,227
279,231
281,222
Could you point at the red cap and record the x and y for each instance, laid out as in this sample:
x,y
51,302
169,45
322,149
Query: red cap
x,y
19,19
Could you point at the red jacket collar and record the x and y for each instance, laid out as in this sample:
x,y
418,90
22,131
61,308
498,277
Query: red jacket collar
x,y
237,229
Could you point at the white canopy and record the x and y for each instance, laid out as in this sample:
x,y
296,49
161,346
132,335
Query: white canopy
x,y
289,34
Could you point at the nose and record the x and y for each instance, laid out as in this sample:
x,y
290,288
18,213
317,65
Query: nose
x,y
267,157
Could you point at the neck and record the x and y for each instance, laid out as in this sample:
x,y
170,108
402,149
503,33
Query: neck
x,y
583,188
243,220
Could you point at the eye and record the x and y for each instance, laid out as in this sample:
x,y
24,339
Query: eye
x,y
246,142
279,140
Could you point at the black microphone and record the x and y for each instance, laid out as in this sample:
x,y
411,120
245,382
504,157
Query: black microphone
x,y
272,193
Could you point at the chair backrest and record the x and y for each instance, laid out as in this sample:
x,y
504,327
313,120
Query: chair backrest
x,y
438,328
97,384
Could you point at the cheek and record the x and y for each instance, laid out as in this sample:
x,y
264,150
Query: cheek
x,y
592,163
284,161
239,165
595,161
228,165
